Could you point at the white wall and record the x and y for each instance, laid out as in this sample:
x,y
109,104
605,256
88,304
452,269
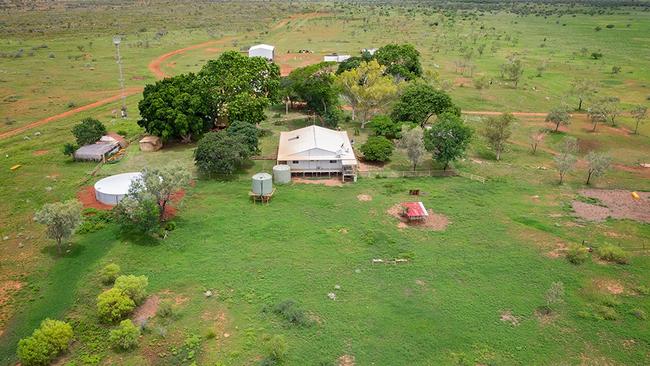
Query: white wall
x,y
261,52
314,165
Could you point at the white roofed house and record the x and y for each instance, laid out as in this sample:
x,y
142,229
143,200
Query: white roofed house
x,y
262,50
316,150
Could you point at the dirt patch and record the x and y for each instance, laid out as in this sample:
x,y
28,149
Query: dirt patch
x,y
147,310
435,221
507,316
545,318
86,195
639,170
558,252
40,152
290,61
619,205
346,360
364,197
330,182
610,286
7,290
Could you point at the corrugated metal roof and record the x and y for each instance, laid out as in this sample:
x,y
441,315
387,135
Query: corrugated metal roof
x,y
415,209
315,143
262,47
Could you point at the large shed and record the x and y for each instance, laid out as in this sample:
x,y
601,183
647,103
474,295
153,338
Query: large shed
x,y
262,50
315,150
97,152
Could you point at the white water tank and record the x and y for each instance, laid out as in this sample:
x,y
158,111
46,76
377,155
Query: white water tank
x,y
111,190
282,174
262,184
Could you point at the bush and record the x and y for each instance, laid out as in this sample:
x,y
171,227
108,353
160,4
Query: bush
x,y
135,287
69,149
377,148
94,220
606,313
165,309
276,350
88,131
47,342
220,153
577,254
125,336
292,313
383,125
109,273
613,253
114,305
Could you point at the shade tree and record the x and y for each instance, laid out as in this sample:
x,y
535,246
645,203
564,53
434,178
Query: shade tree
x,y
402,61
61,219
497,131
377,148
88,131
419,102
412,141
598,164
220,153
447,139
639,113
559,116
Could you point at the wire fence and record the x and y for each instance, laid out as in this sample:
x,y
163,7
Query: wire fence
x,y
384,173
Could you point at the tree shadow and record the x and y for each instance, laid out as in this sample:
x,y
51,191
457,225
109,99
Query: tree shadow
x,y
68,250
138,238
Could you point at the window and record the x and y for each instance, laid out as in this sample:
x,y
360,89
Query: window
x,y
333,161
282,162
295,162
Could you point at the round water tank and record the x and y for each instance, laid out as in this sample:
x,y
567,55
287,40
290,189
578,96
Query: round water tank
x,y
111,190
262,184
282,174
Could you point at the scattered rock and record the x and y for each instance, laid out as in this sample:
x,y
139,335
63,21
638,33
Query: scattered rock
x,y
37,133
48,188
507,316
226,335
5,238
331,296
208,293
357,270
346,360
20,245
364,197
337,287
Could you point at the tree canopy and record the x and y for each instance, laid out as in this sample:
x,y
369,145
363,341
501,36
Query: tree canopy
x,y
175,108
367,89
497,131
314,85
383,125
247,132
448,138
88,131
402,61
219,153
61,219
420,101
377,148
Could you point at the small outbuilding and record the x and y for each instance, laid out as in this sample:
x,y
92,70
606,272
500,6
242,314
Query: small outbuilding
x,y
336,58
98,151
262,50
150,143
414,211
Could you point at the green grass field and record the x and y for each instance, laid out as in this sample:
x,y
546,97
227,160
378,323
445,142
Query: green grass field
x,y
442,307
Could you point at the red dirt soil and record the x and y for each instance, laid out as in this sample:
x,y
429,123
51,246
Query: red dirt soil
x,y
86,195
154,65
619,205
40,152
434,221
99,103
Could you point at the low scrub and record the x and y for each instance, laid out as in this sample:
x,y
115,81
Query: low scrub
x,y
125,336
114,305
109,273
135,287
577,254
613,254
290,312
45,344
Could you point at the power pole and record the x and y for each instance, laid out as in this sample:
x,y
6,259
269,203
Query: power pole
x,y
116,41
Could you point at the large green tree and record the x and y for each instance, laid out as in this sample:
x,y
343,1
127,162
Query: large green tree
x,y
175,108
448,138
367,89
314,85
238,87
402,61
497,131
61,219
88,131
247,132
377,148
420,101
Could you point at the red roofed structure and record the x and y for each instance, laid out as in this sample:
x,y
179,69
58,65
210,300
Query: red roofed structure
x,y
415,211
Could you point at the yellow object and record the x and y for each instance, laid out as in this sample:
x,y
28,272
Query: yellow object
x,y
635,196
15,167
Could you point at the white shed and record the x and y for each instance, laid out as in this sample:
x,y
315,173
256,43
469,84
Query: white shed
x,y
262,50
316,150
335,58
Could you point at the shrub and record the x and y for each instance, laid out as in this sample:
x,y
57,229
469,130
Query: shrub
x,y
289,310
383,125
50,339
276,350
220,153
135,287
125,336
165,309
613,253
114,305
606,313
642,290
69,149
639,313
109,273
377,148
88,131
577,254
139,213
94,220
